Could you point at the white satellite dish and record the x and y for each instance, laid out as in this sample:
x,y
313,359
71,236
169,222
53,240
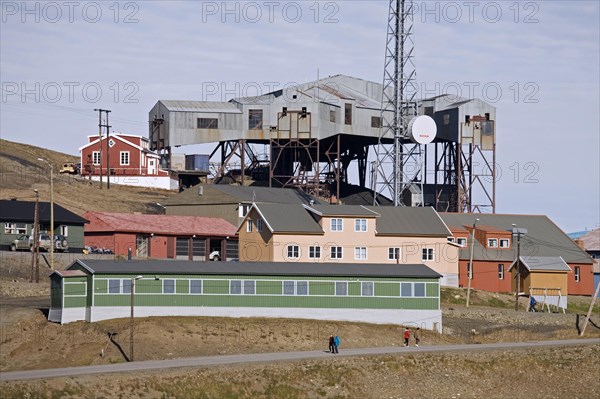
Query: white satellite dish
x,y
422,129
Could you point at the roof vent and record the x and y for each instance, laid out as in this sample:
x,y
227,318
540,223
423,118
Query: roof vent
x,y
201,190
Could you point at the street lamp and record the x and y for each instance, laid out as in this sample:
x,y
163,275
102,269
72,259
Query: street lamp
x,y
133,280
518,231
51,211
470,265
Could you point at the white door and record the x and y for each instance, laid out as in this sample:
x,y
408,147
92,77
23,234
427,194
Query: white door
x,y
151,167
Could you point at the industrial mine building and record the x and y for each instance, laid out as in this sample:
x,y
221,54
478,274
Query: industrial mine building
x,y
321,137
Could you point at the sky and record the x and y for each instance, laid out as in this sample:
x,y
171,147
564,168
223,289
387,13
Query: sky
x,y
537,62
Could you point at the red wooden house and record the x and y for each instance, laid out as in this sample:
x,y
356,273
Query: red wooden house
x,y
128,160
162,236
495,250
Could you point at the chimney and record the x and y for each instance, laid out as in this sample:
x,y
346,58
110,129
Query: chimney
x,y
580,243
333,199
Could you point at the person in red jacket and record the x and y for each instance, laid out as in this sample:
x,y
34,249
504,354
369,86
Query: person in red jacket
x,y
406,336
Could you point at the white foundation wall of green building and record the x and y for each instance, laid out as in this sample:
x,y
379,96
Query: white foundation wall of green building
x,y
94,290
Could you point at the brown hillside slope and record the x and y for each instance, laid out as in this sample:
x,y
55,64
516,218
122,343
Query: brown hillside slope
x,y
21,173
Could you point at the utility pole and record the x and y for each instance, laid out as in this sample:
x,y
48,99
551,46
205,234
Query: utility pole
x,y
51,211
516,230
35,249
470,265
100,126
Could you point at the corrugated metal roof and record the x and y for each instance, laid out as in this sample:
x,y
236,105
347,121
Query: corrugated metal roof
x,y
417,221
158,224
200,106
151,267
288,218
545,263
69,273
543,238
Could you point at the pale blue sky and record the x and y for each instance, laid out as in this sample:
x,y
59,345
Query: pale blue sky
x,y
544,57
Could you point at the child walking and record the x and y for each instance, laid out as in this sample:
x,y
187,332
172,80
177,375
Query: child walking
x,y
417,335
406,336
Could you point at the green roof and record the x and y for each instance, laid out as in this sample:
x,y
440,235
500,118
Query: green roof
x,y
288,218
416,221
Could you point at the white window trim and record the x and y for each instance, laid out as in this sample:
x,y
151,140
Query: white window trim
x,y
426,255
358,253
95,158
128,158
341,225
362,284
463,240
360,225
249,226
341,252
395,249
174,286
577,271
500,271
190,286
507,240
292,247
314,249
336,288
490,241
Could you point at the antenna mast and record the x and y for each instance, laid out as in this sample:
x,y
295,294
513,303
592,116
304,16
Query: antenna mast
x,y
398,164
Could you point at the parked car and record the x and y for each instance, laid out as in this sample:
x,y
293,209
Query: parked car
x,y
25,242
61,243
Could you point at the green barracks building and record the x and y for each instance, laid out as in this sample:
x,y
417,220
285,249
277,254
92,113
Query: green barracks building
x,y
94,290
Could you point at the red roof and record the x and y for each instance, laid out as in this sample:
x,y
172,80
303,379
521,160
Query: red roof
x,y
157,224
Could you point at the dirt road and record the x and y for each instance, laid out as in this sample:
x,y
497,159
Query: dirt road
x,y
208,361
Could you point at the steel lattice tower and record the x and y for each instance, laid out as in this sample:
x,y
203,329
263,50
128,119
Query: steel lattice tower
x,y
398,164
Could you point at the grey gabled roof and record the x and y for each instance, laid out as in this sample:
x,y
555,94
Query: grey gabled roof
x,y
545,263
23,211
288,218
341,210
152,267
543,238
415,221
228,193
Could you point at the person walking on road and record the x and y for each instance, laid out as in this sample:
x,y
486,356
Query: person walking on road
x,y
406,336
331,344
336,343
417,335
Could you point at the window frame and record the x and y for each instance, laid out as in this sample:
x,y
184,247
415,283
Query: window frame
x,y
164,283
190,286
208,122
360,253
376,122
505,240
577,274
336,225
259,225
249,226
314,250
492,243
293,251
348,114
364,284
428,254
341,284
127,156
394,253
95,157
253,122
360,225
336,252
462,241
500,271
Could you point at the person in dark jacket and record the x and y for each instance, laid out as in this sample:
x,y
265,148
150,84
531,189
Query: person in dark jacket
x,y
331,344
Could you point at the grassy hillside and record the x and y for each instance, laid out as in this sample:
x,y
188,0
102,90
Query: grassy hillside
x,y
21,173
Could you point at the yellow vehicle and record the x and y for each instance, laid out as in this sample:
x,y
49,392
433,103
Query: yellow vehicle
x,y
70,168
